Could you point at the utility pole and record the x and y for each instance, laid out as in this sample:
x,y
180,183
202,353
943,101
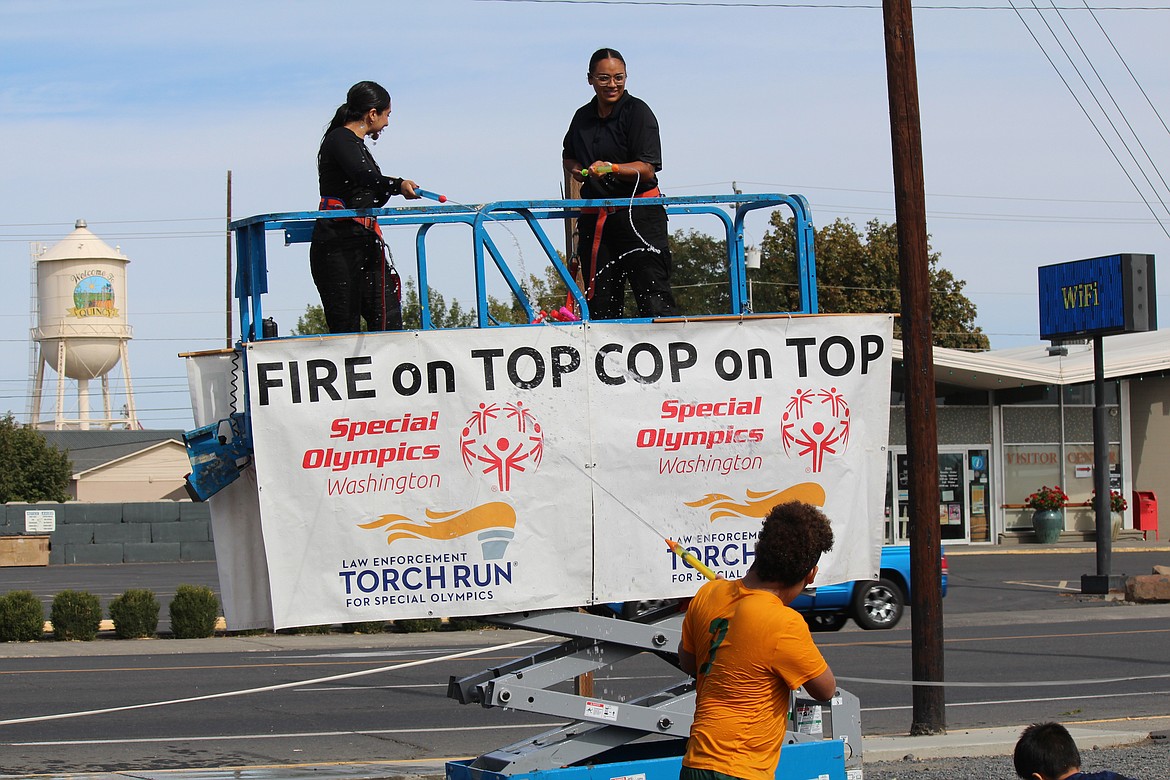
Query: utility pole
x,y
228,282
929,716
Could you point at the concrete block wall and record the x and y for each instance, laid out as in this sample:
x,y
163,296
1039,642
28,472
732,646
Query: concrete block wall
x,y
151,532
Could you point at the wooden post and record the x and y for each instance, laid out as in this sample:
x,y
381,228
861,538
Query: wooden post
x,y
929,716
228,284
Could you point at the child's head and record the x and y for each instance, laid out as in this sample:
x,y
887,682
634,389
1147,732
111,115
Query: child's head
x,y
791,542
1046,751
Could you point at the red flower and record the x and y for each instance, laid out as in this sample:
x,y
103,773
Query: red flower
x,y
1117,502
1047,499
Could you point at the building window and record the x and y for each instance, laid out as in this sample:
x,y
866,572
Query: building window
x,y
1048,440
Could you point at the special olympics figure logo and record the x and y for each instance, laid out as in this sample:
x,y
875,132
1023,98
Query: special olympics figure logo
x,y
815,423
501,440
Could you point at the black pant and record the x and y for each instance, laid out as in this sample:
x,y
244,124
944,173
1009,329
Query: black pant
x,y
355,281
622,254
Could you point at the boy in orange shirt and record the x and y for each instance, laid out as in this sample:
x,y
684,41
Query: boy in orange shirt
x,y
747,649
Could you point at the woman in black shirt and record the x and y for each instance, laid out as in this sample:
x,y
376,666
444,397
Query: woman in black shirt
x,y
613,148
349,260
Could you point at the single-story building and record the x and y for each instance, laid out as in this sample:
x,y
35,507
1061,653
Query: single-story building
x,y
1013,420
123,466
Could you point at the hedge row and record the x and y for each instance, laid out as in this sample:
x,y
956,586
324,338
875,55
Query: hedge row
x,y
77,614
194,611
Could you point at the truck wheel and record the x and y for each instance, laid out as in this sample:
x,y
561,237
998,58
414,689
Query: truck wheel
x,y
826,621
877,604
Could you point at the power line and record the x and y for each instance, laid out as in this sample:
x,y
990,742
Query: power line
x,y
70,225
1102,109
1127,68
1085,111
815,6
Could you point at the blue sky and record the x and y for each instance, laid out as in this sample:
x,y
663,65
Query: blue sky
x,y
129,115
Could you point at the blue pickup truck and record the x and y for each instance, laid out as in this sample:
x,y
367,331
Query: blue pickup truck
x,y
871,603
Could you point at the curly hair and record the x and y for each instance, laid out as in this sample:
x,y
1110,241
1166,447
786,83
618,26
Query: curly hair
x,y
792,540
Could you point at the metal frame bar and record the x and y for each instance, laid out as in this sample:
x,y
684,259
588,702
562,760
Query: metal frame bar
x,y
297,226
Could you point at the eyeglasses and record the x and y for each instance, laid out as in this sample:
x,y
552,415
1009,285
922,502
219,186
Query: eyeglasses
x,y
604,78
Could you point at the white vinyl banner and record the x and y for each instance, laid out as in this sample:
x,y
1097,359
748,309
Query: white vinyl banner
x,y
471,472
700,429
422,474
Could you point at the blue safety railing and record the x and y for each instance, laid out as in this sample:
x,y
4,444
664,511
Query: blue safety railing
x,y
730,210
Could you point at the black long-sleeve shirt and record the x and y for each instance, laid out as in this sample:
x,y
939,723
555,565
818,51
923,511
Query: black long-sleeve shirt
x,y
346,170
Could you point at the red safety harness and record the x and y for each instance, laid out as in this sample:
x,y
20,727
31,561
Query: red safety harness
x,y
601,213
329,203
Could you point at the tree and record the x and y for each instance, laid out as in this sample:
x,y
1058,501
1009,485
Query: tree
x,y
442,316
312,322
33,470
699,278
858,273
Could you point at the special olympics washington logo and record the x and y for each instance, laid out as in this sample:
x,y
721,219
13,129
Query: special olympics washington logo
x,y
816,424
502,441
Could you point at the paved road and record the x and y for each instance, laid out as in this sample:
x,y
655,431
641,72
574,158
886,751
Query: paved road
x,y
1010,626
981,579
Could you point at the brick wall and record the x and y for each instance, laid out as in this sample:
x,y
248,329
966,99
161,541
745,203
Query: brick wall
x,y
122,533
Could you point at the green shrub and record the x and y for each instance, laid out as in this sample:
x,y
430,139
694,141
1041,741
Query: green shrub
x,y
76,614
326,629
22,617
417,625
465,624
367,627
135,614
193,612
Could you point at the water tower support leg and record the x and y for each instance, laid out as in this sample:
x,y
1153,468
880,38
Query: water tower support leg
x,y
38,388
131,414
60,423
83,404
107,412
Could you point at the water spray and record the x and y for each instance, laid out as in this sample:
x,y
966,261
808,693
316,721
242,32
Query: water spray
x,y
672,545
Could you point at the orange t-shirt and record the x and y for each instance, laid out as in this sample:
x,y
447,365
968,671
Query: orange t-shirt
x,y
750,650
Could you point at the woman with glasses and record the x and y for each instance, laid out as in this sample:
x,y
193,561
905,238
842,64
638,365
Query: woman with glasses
x,y
613,148
350,262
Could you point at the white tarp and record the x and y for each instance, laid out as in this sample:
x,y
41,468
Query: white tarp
x,y
216,380
473,472
741,416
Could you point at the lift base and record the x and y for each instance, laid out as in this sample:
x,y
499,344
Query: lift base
x,y
820,760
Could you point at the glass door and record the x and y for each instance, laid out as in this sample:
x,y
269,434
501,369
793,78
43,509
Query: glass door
x,y
955,496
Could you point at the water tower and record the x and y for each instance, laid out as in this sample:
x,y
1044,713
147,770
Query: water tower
x,y
80,329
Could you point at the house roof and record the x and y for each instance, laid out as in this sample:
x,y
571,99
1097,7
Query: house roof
x,y
1126,355
90,449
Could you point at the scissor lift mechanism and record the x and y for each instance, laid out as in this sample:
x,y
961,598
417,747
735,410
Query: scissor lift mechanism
x,y
596,726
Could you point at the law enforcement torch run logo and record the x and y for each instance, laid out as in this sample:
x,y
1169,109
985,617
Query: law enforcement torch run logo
x,y
815,424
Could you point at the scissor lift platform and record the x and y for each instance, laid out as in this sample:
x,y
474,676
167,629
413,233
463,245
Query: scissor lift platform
x,y
642,738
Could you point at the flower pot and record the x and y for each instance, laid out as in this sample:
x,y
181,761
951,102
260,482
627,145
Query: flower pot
x,y
1115,525
1048,523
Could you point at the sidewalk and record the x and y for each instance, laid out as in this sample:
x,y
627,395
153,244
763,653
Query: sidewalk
x,y
998,741
1001,740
